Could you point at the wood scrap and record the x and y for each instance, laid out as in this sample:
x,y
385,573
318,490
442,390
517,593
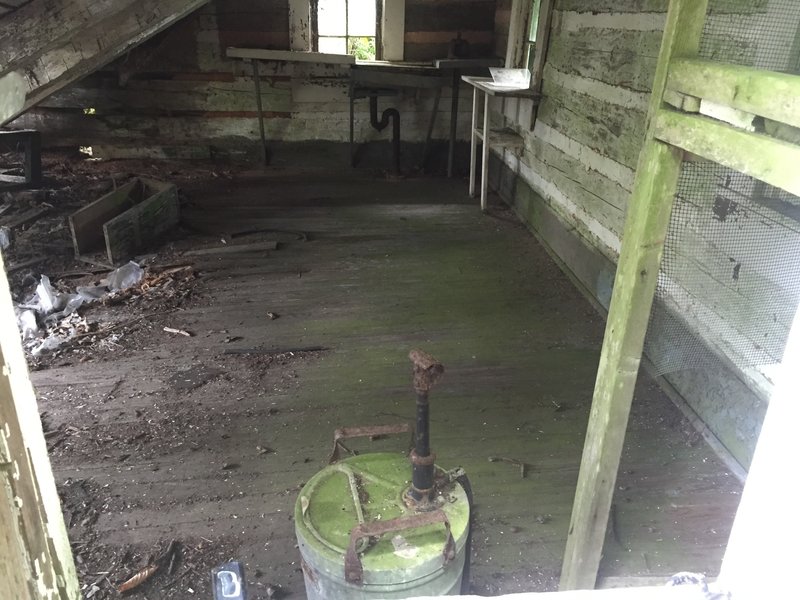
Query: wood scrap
x,y
138,579
25,217
26,263
523,466
234,249
275,350
182,332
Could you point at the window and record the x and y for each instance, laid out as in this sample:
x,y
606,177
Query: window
x,y
533,27
348,27
527,36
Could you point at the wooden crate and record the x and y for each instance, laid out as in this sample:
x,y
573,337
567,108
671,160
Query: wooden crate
x,y
126,220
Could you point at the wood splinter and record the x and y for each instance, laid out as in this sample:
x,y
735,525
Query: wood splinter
x,y
523,466
177,331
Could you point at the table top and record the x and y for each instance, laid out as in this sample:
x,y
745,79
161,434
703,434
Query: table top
x,y
467,63
487,85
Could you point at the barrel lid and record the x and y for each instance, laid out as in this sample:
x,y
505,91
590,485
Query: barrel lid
x,y
368,489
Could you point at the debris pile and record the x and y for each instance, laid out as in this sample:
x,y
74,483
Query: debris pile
x,y
50,320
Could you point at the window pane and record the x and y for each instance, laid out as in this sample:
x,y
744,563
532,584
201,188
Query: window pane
x,y
361,18
333,45
332,17
363,48
535,8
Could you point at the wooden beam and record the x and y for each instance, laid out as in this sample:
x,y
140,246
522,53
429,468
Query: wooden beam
x,y
35,556
764,93
88,44
646,227
393,29
761,156
12,95
300,25
290,56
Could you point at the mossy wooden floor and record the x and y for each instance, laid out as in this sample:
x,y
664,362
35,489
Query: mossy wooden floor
x,y
388,266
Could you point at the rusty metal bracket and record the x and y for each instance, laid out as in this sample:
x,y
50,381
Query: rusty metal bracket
x,y
354,570
427,371
372,431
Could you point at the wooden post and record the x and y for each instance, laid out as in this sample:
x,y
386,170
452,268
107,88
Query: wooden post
x,y
646,226
35,555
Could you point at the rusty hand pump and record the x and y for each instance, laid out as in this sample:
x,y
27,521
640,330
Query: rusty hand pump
x,y
427,371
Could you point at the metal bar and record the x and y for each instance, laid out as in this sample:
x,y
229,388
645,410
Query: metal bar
x,y
422,470
352,126
451,149
485,155
257,80
473,147
431,124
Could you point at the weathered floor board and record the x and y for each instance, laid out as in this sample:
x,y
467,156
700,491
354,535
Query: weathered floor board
x,y
388,265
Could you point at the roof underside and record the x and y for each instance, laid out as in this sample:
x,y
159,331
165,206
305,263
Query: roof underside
x,y
8,6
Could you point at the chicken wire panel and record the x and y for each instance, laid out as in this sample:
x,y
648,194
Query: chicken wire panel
x,y
760,33
730,278
730,273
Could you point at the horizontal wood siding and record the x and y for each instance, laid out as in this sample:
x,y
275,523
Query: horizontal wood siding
x,y
431,24
178,94
581,155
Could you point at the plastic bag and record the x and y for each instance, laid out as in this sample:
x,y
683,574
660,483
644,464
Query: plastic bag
x,y
124,277
26,321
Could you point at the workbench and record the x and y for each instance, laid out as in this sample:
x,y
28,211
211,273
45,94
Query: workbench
x,y
486,87
371,79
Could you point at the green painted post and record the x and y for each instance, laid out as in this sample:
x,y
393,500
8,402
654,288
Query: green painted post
x,y
634,286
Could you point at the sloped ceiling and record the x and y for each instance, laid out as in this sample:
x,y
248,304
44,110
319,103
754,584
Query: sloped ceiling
x,y
7,6
51,43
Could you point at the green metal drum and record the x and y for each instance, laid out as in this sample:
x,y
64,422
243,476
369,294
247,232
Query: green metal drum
x,y
359,539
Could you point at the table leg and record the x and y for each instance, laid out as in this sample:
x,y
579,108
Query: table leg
x,y
473,142
432,122
352,126
451,150
485,149
257,80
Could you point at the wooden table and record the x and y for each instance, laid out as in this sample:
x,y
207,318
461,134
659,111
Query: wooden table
x,y
485,86
457,66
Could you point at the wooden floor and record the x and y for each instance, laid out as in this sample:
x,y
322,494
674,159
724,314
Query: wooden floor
x,y
387,266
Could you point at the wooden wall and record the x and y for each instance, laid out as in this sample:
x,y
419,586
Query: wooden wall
x,y
580,159
431,24
178,96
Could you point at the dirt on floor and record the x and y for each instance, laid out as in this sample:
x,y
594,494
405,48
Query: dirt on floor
x,y
183,414
118,326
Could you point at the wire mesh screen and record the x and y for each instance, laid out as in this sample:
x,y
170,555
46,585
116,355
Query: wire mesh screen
x,y
729,284
755,33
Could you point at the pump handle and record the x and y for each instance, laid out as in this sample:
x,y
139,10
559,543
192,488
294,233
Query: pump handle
x,y
354,570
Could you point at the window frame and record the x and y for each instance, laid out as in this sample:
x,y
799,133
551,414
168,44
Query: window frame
x,y
391,31
518,52
315,36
